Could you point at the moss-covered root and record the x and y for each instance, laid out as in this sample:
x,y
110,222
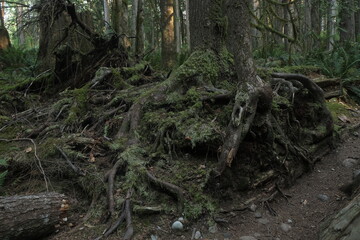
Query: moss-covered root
x,y
171,188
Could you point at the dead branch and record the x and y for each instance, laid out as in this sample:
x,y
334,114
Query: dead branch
x,y
41,169
73,167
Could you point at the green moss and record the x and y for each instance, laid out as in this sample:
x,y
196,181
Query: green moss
x,y
118,80
337,109
280,102
79,106
218,17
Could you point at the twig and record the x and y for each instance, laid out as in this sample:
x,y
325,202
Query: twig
x,y
36,156
75,168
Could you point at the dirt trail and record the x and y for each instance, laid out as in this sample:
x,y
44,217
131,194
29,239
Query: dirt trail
x,y
314,197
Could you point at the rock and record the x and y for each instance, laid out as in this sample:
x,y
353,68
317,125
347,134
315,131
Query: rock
x,y
197,235
177,225
356,173
285,227
227,235
289,220
323,197
247,238
257,235
181,219
356,134
263,221
253,207
154,237
349,162
213,229
258,214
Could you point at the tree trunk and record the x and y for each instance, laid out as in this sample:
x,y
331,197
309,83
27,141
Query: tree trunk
x,y
139,42
31,216
332,23
252,93
188,41
307,38
134,12
2,13
20,25
106,15
345,225
347,21
177,25
168,42
4,34
120,20
357,19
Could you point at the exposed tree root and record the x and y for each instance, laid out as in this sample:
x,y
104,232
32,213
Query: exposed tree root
x,y
171,188
110,178
125,215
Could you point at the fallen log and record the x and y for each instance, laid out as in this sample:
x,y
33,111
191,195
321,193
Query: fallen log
x,y
31,216
345,225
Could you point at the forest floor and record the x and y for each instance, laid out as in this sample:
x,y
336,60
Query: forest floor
x,y
313,198
297,214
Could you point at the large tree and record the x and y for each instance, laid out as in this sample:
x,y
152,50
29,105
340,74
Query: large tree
x,y
4,35
168,41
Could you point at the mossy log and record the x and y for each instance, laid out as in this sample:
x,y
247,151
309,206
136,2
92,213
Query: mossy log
x,y
345,224
31,216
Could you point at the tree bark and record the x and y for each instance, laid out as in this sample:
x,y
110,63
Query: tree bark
x,y
4,34
344,225
20,25
332,15
31,216
177,25
347,21
134,12
106,15
168,42
187,24
139,42
120,20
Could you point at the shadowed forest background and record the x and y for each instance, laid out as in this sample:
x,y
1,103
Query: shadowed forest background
x,y
148,111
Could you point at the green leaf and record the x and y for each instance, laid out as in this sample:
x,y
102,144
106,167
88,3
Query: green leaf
x,y
3,162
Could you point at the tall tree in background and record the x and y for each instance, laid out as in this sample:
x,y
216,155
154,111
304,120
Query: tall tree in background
x,y
187,23
20,25
106,14
139,41
4,34
134,12
168,42
120,20
347,21
177,25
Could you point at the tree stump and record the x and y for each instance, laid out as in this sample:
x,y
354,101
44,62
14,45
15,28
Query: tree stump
x,y
31,216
